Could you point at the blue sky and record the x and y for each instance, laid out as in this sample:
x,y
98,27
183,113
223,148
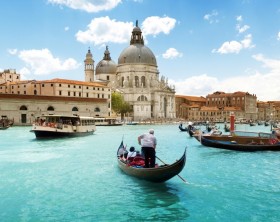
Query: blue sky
x,y
201,46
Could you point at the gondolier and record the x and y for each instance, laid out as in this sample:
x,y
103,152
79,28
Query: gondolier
x,y
148,143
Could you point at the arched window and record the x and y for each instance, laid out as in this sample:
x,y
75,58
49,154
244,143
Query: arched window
x,y
142,98
75,109
23,108
136,81
96,109
35,92
143,81
50,108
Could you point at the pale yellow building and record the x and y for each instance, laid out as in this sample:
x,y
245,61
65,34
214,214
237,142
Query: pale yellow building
x,y
25,100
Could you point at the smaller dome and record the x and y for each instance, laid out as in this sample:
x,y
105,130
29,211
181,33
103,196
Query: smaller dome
x,y
107,65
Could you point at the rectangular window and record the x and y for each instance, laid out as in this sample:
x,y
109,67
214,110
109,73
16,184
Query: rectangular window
x,y
43,85
74,94
68,93
51,85
60,93
87,94
59,85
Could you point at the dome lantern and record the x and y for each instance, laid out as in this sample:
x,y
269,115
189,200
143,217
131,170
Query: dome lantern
x,y
137,52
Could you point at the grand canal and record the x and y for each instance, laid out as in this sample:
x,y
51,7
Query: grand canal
x,y
77,179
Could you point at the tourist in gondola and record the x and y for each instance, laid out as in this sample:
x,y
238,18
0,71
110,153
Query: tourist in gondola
x,y
148,143
131,154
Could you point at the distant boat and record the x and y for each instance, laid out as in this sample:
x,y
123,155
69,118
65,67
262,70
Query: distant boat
x,y
131,123
4,127
157,175
107,121
227,128
5,122
182,128
52,126
242,141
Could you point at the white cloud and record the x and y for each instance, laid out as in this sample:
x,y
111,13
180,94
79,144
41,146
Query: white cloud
x,y
199,85
239,18
264,85
235,46
278,36
154,25
229,47
247,42
272,64
88,5
12,51
103,30
24,72
242,29
212,17
171,53
42,62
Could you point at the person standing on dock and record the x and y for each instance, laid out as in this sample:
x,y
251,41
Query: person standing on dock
x,y
148,143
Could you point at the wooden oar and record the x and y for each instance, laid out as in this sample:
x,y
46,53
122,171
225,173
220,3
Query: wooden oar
x,y
177,174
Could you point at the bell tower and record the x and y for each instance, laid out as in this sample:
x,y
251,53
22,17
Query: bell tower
x,y
89,67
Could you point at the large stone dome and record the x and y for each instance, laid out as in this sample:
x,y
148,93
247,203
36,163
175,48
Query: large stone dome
x,y
137,52
107,65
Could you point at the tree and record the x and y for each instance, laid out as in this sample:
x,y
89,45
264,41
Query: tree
x,y
119,105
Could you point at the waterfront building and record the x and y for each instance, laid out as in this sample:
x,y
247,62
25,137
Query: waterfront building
x,y
217,107
188,107
25,100
269,111
9,75
246,102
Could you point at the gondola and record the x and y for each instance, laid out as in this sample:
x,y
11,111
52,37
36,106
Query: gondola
x,y
245,144
158,174
182,128
4,127
227,128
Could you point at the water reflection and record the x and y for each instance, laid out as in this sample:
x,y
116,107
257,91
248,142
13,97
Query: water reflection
x,y
159,202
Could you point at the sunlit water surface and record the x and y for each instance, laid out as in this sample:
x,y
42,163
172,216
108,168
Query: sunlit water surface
x,y
77,179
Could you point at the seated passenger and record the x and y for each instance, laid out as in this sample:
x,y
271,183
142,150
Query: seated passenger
x,y
131,154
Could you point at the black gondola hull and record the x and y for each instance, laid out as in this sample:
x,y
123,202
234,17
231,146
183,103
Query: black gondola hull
x,y
157,175
239,147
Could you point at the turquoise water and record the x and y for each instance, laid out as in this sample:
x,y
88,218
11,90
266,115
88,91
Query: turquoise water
x,y
78,179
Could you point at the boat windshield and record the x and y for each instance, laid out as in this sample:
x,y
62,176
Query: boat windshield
x,y
252,134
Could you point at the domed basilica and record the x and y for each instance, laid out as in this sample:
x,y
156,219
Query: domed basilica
x,y
136,76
